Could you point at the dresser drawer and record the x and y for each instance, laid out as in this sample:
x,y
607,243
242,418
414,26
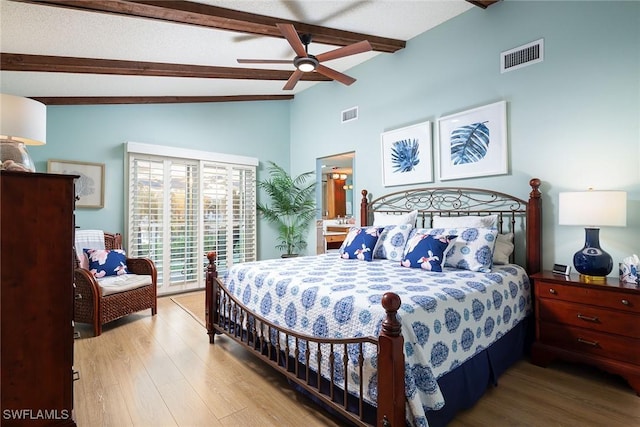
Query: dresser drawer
x,y
589,317
589,295
590,342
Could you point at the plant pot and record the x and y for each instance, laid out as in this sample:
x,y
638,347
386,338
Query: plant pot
x,y
289,255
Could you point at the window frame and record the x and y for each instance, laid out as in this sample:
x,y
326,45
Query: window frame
x,y
240,167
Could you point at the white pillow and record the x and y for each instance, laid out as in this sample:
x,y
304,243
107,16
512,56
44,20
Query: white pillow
x,y
467,221
503,249
382,219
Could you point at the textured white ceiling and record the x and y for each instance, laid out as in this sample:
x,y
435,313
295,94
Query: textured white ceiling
x,y
43,30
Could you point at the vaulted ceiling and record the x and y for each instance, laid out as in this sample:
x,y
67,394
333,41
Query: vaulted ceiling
x,y
118,51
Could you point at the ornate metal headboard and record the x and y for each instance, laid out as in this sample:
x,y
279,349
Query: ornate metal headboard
x,y
521,217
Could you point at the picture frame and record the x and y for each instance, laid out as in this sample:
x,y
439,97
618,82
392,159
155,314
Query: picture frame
x,y
90,185
473,143
407,155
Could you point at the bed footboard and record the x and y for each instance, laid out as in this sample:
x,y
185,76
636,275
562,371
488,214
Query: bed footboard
x,y
304,359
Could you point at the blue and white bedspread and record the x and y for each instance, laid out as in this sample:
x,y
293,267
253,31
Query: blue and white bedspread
x,y
446,317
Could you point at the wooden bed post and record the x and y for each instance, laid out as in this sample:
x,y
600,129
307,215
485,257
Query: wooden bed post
x,y
364,208
534,229
391,393
212,294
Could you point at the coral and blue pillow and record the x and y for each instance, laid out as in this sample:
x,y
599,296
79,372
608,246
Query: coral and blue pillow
x,y
427,251
360,243
104,263
392,242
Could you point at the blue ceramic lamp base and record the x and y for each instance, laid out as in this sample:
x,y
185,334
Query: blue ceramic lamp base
x,y
593,263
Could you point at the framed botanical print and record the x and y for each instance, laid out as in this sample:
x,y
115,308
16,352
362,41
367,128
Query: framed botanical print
x,y
89,185
406,155
474,142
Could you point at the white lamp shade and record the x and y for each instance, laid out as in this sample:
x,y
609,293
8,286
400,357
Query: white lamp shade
x,y
23,119
593,208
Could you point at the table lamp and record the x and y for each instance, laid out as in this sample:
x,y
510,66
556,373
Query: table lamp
x,y
23,121
593,209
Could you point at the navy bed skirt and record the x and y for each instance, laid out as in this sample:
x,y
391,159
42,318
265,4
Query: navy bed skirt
x,y
466,384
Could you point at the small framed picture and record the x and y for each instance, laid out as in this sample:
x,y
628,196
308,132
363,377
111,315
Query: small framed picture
x,y
89,185
474,142
406,155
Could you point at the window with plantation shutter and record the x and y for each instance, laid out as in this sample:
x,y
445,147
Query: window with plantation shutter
x,y
180,208
230,213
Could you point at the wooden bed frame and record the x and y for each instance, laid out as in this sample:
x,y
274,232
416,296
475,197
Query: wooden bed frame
x,y
227,315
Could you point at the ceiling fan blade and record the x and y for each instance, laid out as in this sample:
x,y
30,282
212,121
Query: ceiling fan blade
x,y
289,32
335,75
264,61
351,49
295,76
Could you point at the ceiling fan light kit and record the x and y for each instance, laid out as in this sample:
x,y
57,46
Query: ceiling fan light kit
x,y
305,63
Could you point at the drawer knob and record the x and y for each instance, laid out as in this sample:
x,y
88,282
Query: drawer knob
x,y
588,318
587,342
626,302
552,291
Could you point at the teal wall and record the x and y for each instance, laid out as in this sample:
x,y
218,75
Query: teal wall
x,y
573,120
98,134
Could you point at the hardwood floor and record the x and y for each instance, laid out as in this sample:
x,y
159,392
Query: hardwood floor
x,y
162,371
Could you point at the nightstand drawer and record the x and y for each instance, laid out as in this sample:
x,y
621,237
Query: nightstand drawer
x,y
590,342
589,317
588,295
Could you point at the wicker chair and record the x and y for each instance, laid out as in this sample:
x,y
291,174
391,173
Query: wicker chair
x,y
92,307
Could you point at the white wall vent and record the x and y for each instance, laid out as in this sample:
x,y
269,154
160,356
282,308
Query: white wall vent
x,y
349,115
522,56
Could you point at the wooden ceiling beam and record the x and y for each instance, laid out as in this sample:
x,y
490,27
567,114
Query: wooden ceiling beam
x,y
66,64
111,100
204,15
483,3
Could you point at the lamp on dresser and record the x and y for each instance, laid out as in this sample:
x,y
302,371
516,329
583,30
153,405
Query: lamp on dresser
x,y
593,209
23,121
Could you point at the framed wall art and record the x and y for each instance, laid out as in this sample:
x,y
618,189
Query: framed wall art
x,y
473,143
90,185
406,155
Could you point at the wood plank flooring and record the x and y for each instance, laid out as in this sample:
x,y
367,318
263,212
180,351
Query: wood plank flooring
x,y
162,371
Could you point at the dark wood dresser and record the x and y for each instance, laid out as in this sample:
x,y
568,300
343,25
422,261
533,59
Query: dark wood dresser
x,y
597,324
37,229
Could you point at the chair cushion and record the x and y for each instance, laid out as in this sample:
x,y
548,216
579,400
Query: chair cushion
x,y
125,282
104,262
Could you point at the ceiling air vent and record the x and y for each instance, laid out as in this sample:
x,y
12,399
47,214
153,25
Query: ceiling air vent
x,y
522,56
349,115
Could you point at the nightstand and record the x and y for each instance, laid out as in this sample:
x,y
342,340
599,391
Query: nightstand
x,y
596,324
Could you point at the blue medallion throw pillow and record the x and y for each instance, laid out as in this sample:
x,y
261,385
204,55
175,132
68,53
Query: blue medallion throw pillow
x,y
107,262
472,250
392,242
427,251
360,243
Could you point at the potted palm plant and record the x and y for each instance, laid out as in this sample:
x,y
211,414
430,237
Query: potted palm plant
x,y
292,207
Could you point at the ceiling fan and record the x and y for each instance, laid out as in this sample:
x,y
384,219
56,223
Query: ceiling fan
x,y
305,62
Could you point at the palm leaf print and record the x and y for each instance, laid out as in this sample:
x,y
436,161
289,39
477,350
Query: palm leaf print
x,y
469,144
404,155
